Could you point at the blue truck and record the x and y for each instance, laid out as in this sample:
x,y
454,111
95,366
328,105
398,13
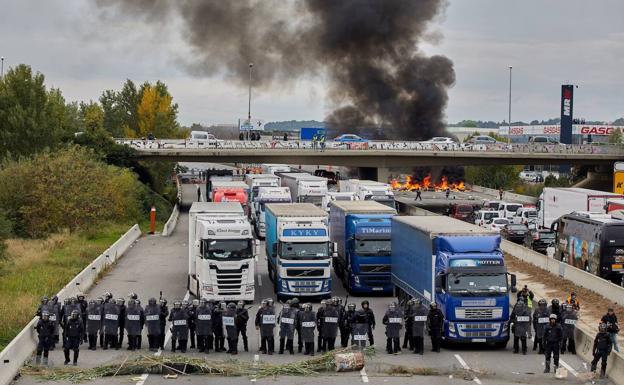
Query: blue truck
x,y
459,266
298,250
361,231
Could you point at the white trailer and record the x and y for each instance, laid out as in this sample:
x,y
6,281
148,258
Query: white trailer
x,y
255,181
265,196
274,168
305,188
555,202
222,252
369,190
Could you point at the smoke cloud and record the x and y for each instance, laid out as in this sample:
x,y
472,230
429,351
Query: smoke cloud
x,y
366,49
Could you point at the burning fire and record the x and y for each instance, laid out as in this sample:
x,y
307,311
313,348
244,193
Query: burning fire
x,y
427,184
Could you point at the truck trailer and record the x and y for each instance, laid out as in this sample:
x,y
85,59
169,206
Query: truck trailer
x,y
555,202
267,195
222,252
369,190
361,231
305,188
460,267
298,250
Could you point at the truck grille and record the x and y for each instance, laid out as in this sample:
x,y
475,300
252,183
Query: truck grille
x,y
478,313
377,281
229,281
478,330
374,268
305,286
305,272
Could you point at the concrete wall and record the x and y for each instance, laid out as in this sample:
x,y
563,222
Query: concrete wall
x,y
21,348
507,195
171,222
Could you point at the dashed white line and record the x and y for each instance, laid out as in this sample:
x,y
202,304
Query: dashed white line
x,y
570,369
364,375
144,376
466,367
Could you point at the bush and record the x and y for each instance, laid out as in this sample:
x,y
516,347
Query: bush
x,y
6,229
67,189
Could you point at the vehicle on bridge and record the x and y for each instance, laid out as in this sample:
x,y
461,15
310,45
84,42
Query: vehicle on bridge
x,y
369,190
349,138
298,250
593,242
265,196
361,231
305,188
222,252
459,266
440,140
201,139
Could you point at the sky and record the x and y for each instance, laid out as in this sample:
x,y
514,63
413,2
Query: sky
x,y
548,43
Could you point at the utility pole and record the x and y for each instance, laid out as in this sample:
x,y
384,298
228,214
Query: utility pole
x,y
2,67
509,116
249,105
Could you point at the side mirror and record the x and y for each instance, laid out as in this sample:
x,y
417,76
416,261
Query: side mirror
x,y
439,281
335,247
274,250
513,283
198,247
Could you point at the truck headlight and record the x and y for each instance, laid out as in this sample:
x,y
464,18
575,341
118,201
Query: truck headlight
x,y
245,232
356,279
249,288
284,285
207,288
452,327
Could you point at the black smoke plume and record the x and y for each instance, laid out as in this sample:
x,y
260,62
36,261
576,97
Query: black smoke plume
x,y
366,49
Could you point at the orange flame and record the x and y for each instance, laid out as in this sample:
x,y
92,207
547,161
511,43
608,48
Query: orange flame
x,y
411,185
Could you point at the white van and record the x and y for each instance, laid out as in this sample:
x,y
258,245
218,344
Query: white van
x,y
508,210
484,218
201,139
525,216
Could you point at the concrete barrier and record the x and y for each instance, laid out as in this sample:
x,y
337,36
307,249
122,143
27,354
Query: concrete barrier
x,y
171,222
507,195
580,277
21,348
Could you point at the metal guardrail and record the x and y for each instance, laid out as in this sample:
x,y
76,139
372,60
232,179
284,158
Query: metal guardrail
x,y
181,144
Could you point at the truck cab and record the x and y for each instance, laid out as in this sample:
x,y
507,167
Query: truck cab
x,y
370,190
222,252
305,188
255,181
333,196
298,250
267,195
230,191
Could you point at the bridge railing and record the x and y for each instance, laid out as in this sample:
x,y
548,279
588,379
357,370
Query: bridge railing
x,y
387,145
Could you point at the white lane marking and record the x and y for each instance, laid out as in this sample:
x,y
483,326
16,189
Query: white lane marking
x,y
466,367
570,369
364,375
259,279
144,376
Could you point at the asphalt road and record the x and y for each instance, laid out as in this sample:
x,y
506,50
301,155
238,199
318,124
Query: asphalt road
x,y
158,263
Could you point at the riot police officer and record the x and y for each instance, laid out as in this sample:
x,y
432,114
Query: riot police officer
x,y
121,305
242,317
94,322
204,326
230,328
265,323
521,320
394,323
307,319
111,325
164,313
191,310
320,320
418,326
552,341
408,316
135,318
602,349
45,333
360,326
540,320
569,317
72,334
330,325
152,323
435,324
179,327
345,325
286,321
370,320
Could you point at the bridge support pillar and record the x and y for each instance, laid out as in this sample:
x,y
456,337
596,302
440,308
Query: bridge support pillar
x,y
380,174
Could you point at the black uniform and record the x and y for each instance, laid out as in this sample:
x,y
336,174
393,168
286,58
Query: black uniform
x,y
192,311
242,317
231,331
110,325
435,323
320,320
204,328
408,316
307,324
419,323
568,323
164,313
540,321
152,324
94,323
346,327
359,331
122,324
602,349
287,320
265,321
394,322
179,329
552,342
370,319
135,319
217,329
521,320
330,327
73,337
45,332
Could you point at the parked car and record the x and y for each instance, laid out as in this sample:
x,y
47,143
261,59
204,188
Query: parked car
x,y
539,239
525,216
482,139
462,212
498,224
514,232
484,218
440,140
543,140
349,138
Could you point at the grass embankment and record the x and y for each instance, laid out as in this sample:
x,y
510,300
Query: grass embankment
x,y
37,267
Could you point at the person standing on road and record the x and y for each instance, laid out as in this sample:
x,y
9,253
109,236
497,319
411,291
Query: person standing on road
x,y
230,328
521,320
394,322
408,317
121,305
418,326
573,301
135,319
555,308
320,319
527,295
192,311
314,141
294,304
242,317
322,140
435,324
204,326
286,321
552,341
152,323
360,327
82,302
217,327
45,333
94,322
568,323
370,320
346,327
179,327
500,193
602,349
72,333
111,325
164,313
330,324
418,194
55,316
540,320
265,323
307,320
610,319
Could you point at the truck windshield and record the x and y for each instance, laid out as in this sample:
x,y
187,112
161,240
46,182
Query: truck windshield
x,y
372,247
231,249
315,200
316,250
476,284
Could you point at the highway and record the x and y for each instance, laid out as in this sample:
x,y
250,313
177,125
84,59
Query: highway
x,y
158,263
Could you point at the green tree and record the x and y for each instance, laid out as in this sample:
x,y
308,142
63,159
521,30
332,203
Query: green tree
x,y
157,113
493,176
615,137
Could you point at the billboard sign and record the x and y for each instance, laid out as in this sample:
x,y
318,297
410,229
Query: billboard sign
x,y
245,124
577,129
567,111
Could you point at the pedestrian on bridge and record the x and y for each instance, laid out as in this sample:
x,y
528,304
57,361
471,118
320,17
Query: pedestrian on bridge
x,y
418,194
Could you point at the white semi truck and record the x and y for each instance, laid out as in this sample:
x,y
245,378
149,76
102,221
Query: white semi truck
x,y
265,196
274,168
222,252
255,181
369,190
305,188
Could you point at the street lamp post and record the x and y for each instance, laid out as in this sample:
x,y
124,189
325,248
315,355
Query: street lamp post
x,y
2,67
249,105
509,116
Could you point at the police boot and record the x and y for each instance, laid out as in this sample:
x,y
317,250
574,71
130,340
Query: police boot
x,y
319,342
593,368
547,367
192,340
603,372
66,353
38,360
289,346
76,353
572,347
281,348
45,361
245,345
173,344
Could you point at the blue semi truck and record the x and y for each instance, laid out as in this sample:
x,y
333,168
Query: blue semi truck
x,y
298,250
459,266
361,231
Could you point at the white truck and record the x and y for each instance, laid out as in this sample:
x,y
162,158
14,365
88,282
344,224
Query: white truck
x,y
255,181
265,196
273,168
305,188
555,202
333,196
369,190
222,252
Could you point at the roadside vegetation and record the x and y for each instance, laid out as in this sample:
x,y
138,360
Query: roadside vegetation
x,y
67,190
